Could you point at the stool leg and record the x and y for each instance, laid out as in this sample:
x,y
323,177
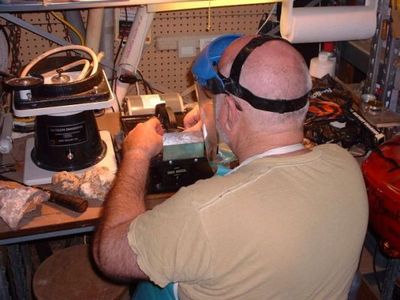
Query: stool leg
x,y
17,268
4,284
392,272
27,260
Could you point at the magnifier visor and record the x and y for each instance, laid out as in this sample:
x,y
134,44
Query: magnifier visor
x,y
207,116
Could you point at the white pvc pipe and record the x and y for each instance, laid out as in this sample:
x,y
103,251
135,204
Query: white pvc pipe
x,y
133,49
93,28
107,41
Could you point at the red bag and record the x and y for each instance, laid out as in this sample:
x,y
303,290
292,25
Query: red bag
x,y
382,175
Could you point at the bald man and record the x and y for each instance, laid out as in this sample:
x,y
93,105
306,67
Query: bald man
x,y
287,223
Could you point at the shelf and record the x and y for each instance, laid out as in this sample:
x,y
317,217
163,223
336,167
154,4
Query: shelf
x,y
13,6
356,53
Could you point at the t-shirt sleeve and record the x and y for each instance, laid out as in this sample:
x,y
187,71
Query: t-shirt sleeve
x,y
170,242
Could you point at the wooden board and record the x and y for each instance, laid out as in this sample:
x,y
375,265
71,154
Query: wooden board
x,y
53,217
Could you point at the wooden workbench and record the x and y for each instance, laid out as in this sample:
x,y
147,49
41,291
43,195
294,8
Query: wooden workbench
x,y
53,220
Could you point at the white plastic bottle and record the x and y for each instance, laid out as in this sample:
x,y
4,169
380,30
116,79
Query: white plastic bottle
x,y
324,64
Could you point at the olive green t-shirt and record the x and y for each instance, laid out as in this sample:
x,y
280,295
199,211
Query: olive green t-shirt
x,y
277,228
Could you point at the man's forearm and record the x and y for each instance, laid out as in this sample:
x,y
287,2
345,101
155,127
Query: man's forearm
x,y
123,204
126,198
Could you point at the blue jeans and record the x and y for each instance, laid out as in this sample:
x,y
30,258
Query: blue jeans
x,y
146,290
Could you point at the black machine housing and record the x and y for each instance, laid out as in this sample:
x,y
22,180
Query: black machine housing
x,y
65,141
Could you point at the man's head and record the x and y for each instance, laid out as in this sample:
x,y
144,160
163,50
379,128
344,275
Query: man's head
x,y
273,70
269,71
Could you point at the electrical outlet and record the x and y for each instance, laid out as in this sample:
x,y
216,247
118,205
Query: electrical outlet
x,y
173,42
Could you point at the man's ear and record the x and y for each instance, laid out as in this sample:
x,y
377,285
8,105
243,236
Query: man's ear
x,y
233,112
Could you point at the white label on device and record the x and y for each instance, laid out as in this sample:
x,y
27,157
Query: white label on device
x,y
150,101
25,94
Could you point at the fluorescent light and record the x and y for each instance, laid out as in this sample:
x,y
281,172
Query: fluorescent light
x,y
203,4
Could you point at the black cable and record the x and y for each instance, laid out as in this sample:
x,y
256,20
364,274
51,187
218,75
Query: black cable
x,y
149,86
158,90
141,79
115,72
145,83
126,14
146,90
122,39
121,42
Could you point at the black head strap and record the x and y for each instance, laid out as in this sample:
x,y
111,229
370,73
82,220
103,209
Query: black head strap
x,y
245,52
232,83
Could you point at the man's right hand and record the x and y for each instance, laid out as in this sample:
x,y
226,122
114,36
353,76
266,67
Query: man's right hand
x,y
192,120
145,137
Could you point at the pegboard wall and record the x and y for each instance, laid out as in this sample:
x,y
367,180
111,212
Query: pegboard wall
x,y
162,67
165,67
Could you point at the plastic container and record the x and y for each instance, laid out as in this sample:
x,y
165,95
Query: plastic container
x,y
324,64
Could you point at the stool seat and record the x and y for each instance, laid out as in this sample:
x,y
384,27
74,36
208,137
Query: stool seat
x,y
71,274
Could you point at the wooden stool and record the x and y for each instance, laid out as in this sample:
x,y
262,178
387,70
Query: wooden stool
x,y
70,274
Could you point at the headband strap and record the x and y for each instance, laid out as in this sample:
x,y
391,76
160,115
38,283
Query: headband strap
x,y
232,85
